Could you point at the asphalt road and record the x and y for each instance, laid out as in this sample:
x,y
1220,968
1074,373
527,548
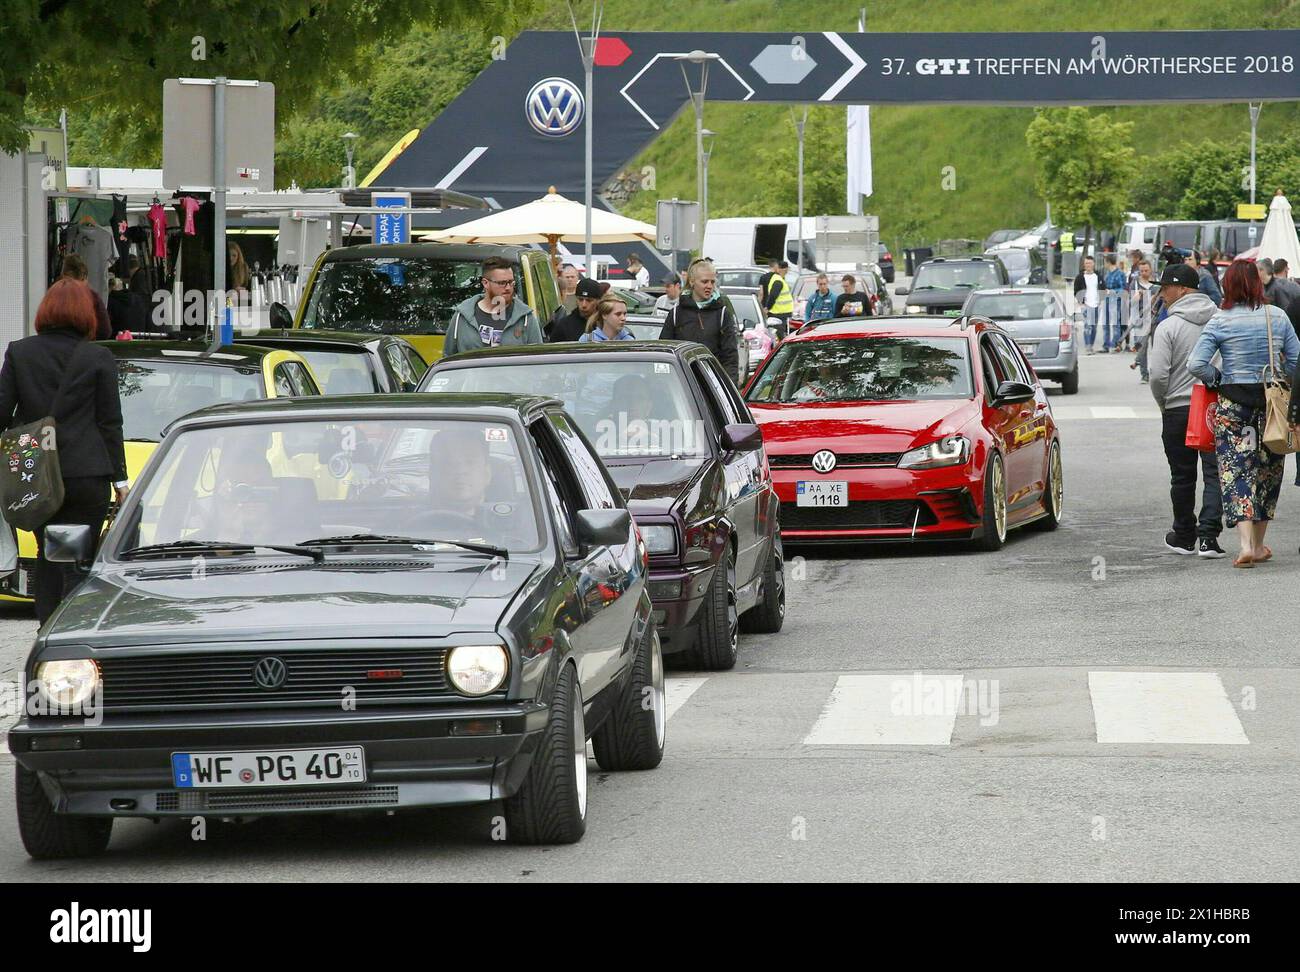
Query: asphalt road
x,y
1121,714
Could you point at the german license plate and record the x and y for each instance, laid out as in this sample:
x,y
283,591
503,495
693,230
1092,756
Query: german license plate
x,y
822,492
282,767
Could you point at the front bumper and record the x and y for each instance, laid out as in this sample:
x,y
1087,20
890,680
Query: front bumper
x,y
885,503
122,767
674,613
1062,363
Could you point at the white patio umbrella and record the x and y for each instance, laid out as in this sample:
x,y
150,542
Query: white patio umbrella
x,y
1279,239
547,220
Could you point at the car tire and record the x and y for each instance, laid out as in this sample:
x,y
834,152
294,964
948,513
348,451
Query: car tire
x,y
550,806
717,635
632,736
994,520
1053,492
1070,383
768,615
50,836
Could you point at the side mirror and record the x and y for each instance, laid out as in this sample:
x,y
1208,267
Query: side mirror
x,y
902,291
280,316
742,437
603,528
1011,392
70,543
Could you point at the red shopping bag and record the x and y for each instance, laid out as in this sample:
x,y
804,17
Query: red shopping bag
x,y
1200,435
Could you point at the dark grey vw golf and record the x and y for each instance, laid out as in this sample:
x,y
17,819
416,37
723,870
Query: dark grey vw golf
x,y
346,603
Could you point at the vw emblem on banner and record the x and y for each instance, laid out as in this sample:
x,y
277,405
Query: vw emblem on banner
x,y
554,107
824,461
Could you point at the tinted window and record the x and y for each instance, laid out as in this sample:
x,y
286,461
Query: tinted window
x,y
300,380
590,473
880,368
1009,359
416,363
952,276
283,383
391,295
154,393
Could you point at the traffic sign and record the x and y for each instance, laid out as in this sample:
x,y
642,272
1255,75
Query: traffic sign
x,y
392,227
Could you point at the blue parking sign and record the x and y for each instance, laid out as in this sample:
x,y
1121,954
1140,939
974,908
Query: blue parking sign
x,y
394,228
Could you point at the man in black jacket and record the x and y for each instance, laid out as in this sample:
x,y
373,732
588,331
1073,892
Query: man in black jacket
x,y
573,325
701,316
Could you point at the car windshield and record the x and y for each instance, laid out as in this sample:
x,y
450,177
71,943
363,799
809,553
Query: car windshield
x,y
626,408
155,393
879,369
1014,259
740,278
292,482
341,372
952,276
1013,307
747,313
391,295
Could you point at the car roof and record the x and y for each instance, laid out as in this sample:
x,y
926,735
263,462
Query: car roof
x,y
199,352
910,325
407,251
969,259
574,350
489,405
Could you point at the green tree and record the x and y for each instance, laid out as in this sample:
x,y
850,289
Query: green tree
x,y
823,167
110,59
1086,165
1206,180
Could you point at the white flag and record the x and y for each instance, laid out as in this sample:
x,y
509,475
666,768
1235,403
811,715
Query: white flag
x,y
858,157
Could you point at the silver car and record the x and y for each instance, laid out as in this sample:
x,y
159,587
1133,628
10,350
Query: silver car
x,y
1036,319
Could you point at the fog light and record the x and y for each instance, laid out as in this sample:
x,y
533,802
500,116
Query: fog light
x,y
665,590
52,744
476,727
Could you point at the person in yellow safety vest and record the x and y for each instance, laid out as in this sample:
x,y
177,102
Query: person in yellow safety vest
x,y
777,298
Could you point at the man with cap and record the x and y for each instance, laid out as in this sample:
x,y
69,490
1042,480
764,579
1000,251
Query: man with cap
x,y
573,325
1171,386
671,295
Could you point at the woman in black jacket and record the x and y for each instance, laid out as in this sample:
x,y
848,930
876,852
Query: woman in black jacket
x,y
88,418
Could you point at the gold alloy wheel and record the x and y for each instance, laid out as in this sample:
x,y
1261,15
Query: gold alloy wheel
x,y
999,500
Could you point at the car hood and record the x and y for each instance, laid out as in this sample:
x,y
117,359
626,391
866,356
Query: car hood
x,y
654,485
806,427
941,299
171,602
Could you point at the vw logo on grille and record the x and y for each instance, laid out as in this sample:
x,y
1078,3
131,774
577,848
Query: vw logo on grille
x,y
270,673
824,461
554,107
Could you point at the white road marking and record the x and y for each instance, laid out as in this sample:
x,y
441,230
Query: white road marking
x,y
1163,707
891,709
678,690
1075,413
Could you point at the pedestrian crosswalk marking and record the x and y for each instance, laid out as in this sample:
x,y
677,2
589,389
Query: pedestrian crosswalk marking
x,y
678,690
888,710
1163,707
1073,413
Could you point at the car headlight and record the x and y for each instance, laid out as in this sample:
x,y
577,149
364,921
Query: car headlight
x,y
660,539
914,309
477,669
68,683
952,450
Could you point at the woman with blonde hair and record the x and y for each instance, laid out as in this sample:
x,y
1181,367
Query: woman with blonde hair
x,y
608,322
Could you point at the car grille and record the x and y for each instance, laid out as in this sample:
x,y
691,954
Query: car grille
x,y
860,515
842,460
194,800
314,678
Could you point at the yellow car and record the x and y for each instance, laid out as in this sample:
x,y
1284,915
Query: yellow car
x,y
410,289
159,381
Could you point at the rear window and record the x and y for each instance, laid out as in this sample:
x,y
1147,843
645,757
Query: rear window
x,y
341,372
1013,307
393,295
956,276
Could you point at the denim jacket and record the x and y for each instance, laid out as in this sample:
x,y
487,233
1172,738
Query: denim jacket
x,y
1239,337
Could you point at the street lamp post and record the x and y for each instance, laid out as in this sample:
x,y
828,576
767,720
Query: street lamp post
x,y
587,49
708,153
799,124
702,58
350,173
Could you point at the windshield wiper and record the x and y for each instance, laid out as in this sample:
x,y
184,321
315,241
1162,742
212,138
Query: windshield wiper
x,y
924,287
206,546
152,441
376,538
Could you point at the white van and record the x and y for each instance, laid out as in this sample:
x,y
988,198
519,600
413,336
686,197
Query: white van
x,y
1138,234
748,241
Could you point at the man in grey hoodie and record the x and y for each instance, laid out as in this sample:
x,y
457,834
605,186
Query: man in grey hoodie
x,y
1171,386
497,317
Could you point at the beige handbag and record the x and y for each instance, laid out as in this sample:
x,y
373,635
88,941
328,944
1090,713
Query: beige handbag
x,y
1277,401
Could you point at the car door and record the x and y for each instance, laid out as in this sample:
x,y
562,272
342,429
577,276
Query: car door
x,y
743,472
1027,426
612,578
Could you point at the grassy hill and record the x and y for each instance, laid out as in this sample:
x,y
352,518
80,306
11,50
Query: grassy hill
x,y
912,144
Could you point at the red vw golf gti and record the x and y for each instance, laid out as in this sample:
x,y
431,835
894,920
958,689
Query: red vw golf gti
x,y
907,429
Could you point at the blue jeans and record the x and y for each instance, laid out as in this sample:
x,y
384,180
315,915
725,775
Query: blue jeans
x,y
1089,325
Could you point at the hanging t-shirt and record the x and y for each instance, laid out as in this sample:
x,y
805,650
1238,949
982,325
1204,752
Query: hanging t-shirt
x,y
190,205
119,226
158,221
94,244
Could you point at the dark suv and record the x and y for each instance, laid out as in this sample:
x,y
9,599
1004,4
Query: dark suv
x,y
941,286
684,450
346,603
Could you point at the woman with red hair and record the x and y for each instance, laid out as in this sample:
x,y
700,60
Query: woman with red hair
x,y
58,371
1250,475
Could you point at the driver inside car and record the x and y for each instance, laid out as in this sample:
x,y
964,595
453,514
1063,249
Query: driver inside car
x,y
825,384
460,474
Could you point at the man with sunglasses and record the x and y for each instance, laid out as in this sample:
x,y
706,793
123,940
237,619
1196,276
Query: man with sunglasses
x,y
497,317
